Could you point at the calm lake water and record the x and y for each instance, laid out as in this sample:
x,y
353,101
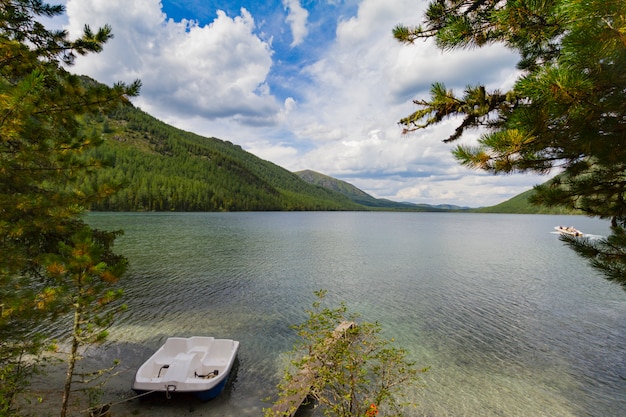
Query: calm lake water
x,y
510,321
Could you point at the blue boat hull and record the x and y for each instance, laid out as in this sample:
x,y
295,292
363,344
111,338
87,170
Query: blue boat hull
x,y
211,393
205,395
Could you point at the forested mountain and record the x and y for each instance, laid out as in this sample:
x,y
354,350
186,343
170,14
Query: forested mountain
x,y
161,168
361,197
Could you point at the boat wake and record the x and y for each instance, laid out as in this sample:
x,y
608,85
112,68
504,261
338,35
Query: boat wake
x,y
585,235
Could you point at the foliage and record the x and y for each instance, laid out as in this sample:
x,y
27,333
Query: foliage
x,y
166,169
603,253
566,110
41,149
360,374
84,272
521,204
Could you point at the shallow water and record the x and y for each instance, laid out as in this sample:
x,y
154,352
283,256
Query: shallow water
x,y
510,321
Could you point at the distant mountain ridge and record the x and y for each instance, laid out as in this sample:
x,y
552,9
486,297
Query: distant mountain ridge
x,y
518,204
361,197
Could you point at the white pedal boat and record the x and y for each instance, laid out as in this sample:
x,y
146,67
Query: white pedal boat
x,y
198,365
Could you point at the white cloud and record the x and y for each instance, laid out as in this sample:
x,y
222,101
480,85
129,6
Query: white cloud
x,y
215,80
272,151
364,85
297,18
216,71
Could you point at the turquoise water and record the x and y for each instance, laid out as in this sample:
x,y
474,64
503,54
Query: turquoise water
x,y
510,321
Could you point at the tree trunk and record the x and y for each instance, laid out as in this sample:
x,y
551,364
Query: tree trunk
x,y
71,363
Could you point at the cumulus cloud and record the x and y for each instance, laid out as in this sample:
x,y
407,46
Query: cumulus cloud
x,y
217,70
297,19
217,79
364,84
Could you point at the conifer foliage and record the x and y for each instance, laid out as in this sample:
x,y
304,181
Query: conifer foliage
x,y
356,372
40,161
567,110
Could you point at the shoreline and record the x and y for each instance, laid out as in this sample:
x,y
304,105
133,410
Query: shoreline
x,y
44,395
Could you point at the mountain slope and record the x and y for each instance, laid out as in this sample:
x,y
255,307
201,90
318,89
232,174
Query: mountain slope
x,y
520,204
361,197
164,168
342,187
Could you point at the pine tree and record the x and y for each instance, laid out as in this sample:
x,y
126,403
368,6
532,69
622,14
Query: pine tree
x,y
357,371
567,110
40,160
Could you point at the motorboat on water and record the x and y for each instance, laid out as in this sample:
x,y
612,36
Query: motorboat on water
x,y
568,230
199,365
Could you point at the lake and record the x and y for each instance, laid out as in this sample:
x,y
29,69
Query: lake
x,y
510,320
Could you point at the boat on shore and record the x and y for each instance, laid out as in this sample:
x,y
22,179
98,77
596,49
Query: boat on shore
x,y
199,365
568,230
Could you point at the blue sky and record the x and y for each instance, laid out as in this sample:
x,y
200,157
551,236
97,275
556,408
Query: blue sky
x,y
295,43
305,84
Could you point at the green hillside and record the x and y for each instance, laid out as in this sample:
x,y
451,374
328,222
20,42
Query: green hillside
x,y
521,205
163,168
